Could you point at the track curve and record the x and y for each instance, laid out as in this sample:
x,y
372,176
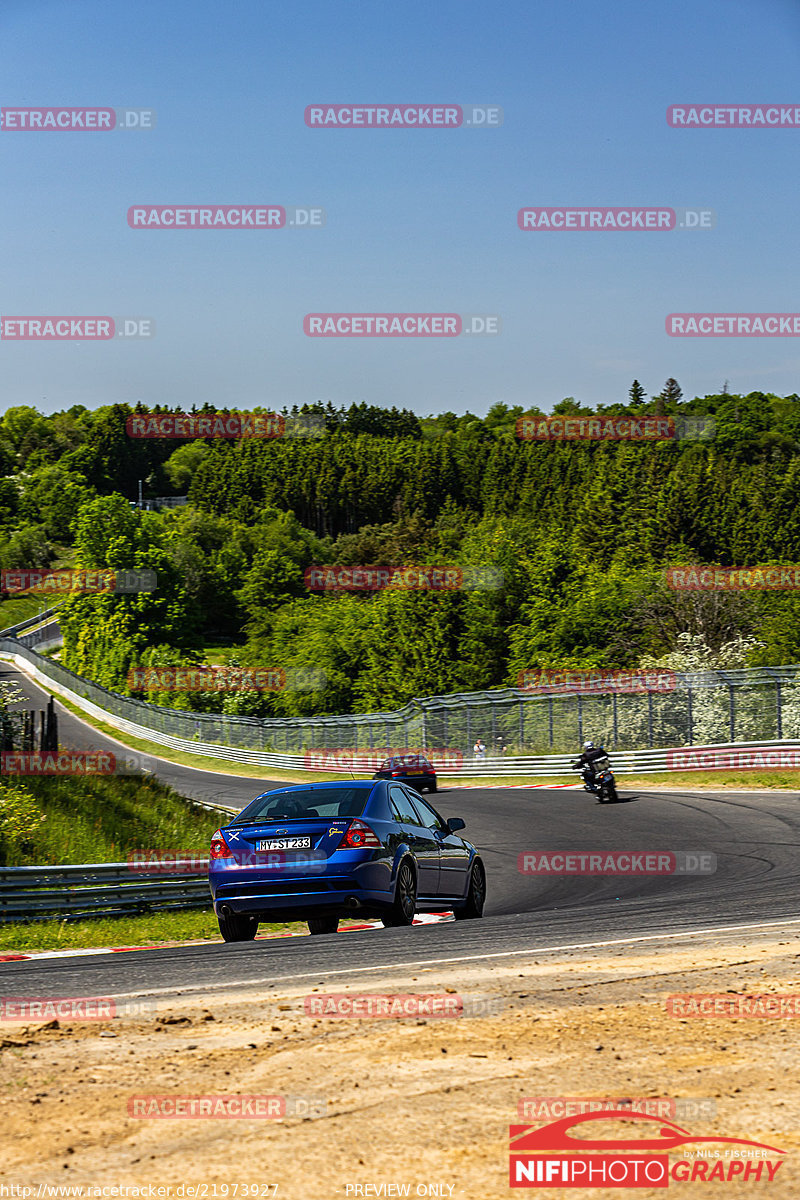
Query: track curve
x,y
755,838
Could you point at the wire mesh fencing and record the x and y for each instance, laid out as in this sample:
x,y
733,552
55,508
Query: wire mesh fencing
x,y
704,707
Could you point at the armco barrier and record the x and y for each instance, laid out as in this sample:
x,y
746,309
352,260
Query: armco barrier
x,y
14,631
96,890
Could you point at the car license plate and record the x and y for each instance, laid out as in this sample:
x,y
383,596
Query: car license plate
x,y
284,843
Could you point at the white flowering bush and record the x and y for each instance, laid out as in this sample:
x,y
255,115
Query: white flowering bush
x,y
754,708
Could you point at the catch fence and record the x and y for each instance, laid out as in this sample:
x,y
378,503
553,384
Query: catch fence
x,y
758,705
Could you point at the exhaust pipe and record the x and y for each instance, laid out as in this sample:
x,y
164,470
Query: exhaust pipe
x,y
224,911
352,902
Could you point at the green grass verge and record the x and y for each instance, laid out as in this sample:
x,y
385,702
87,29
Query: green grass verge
x,y
12,612
103,819
120,931
218,655
754,779
223,766
667,781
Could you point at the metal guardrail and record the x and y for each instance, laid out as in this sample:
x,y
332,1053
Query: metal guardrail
x,y
55,677
82,891
14,631
97,890
625,762
724,705
628,762
45,636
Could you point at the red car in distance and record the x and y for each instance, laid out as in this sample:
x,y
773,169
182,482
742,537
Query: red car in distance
x,y
413,769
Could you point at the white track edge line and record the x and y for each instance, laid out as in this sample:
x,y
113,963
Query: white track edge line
x,y
648,937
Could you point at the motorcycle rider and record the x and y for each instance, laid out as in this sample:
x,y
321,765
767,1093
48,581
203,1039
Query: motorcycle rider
x,y
590,756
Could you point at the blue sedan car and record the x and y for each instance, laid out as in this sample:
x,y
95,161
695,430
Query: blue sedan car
x,y
322,851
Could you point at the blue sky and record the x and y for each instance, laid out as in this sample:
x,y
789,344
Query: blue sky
x,y
417,221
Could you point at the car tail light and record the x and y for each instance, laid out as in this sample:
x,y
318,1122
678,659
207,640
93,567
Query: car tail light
x,y
358,835
428,771
396,774
219,847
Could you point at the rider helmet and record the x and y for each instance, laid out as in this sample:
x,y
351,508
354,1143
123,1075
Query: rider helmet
x,y
588,745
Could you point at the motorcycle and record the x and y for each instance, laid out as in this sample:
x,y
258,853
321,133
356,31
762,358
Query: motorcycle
x,y
604,785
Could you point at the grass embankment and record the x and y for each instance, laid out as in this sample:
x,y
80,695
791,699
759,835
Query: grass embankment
x,y
13,612
102,819
96,819
155,928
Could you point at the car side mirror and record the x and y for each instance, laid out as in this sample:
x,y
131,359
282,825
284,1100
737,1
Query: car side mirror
x,y
455,823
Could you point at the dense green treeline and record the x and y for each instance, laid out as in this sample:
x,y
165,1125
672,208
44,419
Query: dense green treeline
x,y
578,534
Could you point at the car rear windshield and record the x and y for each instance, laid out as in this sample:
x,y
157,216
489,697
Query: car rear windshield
x,y
407,760
298,806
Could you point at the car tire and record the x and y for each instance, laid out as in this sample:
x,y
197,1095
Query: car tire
x,y
238,927
323,924
405,898
432,788
476,895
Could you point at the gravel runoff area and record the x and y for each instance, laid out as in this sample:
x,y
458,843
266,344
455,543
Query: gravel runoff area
x,y
366,1105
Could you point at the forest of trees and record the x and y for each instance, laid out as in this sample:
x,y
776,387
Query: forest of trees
x,y
578,532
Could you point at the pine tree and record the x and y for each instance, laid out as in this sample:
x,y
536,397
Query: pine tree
x,y
671,393
636,394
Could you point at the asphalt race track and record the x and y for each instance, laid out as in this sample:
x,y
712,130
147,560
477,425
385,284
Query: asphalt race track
x,y
755,838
